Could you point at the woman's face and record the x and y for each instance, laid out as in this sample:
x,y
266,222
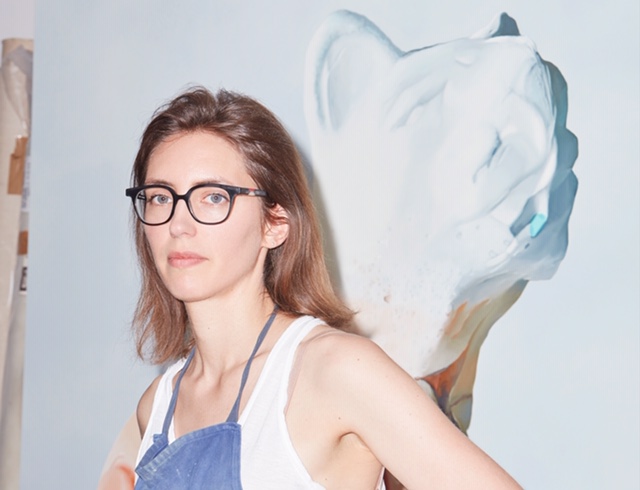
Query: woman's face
x,y
195,261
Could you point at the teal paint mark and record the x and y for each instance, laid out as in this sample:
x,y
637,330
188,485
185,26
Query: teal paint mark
x,y
536,224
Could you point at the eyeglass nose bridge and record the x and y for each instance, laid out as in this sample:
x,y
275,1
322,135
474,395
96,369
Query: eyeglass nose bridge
x,y
184,197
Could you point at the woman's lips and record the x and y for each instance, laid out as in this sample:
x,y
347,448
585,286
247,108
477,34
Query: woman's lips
x,y
182,260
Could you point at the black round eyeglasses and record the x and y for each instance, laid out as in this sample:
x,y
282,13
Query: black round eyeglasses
x,y
209,204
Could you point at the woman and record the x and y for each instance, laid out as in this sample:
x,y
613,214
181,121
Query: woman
x,y
264,391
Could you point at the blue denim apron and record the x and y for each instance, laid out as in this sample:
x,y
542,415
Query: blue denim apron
x,y
205,458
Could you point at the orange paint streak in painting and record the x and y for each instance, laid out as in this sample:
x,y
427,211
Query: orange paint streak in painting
x,y
442,381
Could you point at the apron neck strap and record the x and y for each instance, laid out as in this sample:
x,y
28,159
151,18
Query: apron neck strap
x,y
174,396
233,415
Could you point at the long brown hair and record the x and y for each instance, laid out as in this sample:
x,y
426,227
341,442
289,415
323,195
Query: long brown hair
x,y
295,274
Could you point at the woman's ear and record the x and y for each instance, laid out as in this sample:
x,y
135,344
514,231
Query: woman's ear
x,y
276,227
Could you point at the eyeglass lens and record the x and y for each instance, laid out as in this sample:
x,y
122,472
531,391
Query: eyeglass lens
x,y
208,204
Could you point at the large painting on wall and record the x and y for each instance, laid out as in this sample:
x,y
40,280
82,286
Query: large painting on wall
x,y
446,177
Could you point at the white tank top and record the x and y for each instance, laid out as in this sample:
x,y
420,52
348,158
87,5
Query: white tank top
x,y
268,458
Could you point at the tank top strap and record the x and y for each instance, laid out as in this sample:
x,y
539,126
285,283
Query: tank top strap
x,y
233,415
276,373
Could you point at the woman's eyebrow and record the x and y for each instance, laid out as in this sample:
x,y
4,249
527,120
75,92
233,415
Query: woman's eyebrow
x,y
213,181
157,181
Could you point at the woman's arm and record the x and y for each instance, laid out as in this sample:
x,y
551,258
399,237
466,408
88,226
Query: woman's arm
x,y
400,424
118,470
118,473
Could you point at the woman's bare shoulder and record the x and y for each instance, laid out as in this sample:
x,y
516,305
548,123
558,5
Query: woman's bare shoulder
x,y
324,339
339,358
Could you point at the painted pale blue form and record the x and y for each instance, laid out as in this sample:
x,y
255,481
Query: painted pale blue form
x,y
537,224
445,178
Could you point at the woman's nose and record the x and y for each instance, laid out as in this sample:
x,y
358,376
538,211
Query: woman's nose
x,y
182,223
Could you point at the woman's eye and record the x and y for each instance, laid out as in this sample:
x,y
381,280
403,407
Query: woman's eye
x,y
160,199
215,198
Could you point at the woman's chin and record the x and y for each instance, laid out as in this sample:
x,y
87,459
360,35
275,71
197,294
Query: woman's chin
x,y
190,297
196,293
189,293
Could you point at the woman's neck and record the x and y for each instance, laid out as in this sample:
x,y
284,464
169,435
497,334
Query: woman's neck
x,y
225,330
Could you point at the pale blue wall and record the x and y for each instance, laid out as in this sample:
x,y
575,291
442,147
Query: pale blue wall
x,y
17,18
556,400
